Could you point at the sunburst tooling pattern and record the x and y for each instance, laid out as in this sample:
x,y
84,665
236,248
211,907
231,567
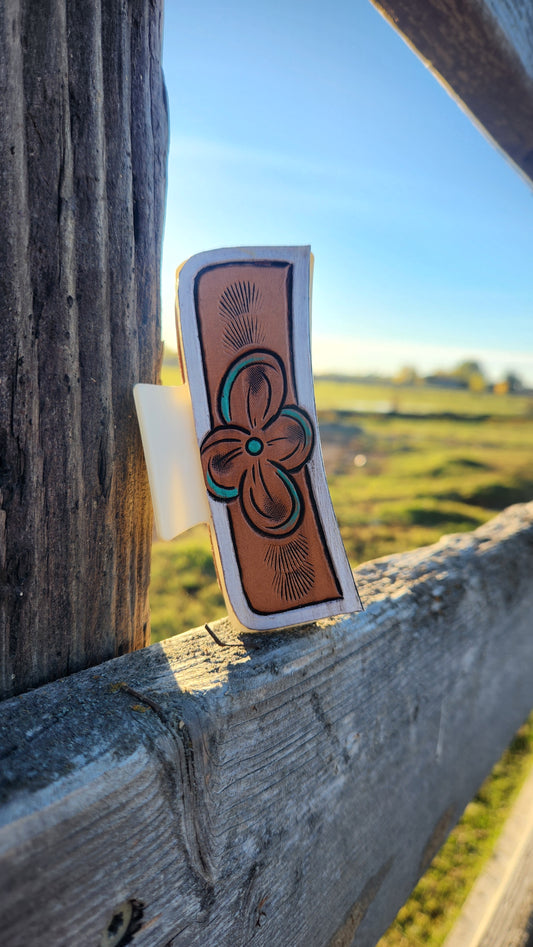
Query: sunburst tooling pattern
x,y
239,307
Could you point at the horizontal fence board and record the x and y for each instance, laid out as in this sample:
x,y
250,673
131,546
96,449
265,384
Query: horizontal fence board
x,y
288,788
482,52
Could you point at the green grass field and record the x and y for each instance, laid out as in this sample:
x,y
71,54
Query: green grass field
x,y
417,399
445,461
414,478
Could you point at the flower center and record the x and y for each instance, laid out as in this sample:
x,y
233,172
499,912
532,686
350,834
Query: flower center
x,y
254,446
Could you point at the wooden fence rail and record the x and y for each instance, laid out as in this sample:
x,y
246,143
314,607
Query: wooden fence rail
x,y
482,53
279,789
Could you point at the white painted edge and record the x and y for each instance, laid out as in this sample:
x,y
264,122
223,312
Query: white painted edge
x,y
188,340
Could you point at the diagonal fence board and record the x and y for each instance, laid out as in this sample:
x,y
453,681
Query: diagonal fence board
x,y
482,52
286,789
499,908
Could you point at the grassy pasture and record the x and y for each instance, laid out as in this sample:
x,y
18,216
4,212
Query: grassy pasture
x,y
444,461
416,399
416,475
421,477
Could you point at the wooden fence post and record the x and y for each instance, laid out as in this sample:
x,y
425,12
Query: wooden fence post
x,y
82,182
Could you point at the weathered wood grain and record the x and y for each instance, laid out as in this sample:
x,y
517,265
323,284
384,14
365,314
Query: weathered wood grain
x,y
482,52
286,789
82,182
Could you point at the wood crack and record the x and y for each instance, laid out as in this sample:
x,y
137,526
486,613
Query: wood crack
x,y
191,786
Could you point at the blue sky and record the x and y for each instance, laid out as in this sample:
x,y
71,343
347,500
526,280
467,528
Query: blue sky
x,y
290,126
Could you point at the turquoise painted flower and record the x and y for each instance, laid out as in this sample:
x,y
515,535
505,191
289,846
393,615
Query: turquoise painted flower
x,y
250,457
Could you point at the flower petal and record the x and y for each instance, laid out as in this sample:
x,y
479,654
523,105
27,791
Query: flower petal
x,y
253,390
270,498
224,461
289,438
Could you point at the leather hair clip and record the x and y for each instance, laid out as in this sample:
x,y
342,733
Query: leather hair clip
x,y
237,445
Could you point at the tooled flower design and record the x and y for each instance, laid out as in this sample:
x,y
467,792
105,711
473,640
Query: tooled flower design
x,y
262,442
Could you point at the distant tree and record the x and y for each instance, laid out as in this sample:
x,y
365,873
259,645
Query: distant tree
x,y
466,369
407,375
514,382
471,373
477,382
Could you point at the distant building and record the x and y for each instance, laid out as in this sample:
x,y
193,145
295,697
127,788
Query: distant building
x,y
445,381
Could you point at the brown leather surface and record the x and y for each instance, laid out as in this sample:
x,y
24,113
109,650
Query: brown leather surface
x,y
255,456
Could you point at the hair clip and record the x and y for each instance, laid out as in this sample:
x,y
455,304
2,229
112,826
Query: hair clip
x,y
237,446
